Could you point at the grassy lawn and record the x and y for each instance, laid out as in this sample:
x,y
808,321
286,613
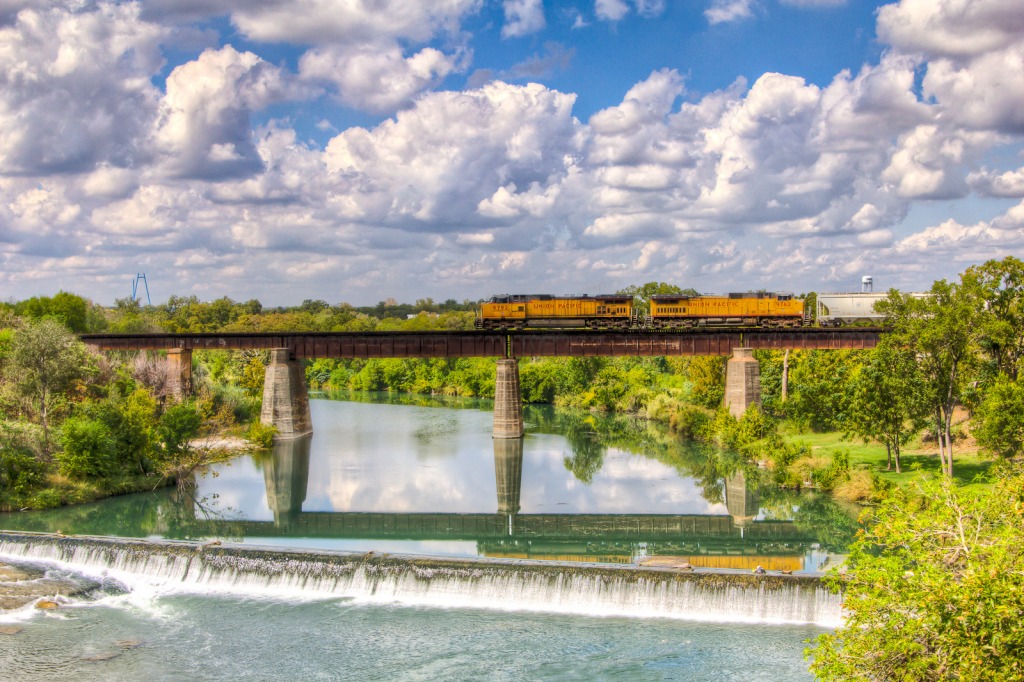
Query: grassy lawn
x,y
917,458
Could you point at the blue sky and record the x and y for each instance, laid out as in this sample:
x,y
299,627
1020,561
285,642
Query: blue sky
x,y
358,150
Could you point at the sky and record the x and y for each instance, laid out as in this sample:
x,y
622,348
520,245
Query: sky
x,y
359,150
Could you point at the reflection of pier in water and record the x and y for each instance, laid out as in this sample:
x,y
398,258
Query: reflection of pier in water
x,y
736,540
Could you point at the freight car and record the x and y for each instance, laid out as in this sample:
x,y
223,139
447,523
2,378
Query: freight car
x,y
837,310
519,311
751,309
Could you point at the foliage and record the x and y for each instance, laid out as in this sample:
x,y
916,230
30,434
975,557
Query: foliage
x,y
999,420
942,329
888,401
88,448
21,470
261,434
933,589
45,359
71,311
178,426
999,288
819,398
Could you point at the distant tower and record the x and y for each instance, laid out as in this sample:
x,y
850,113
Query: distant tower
x,y
867,284
140,277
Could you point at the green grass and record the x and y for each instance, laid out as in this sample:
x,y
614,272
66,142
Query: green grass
x,y
917,458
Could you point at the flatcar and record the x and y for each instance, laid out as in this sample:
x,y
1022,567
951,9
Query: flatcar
x,y
750,309
519,311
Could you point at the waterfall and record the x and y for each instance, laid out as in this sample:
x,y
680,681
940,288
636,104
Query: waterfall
x,y
587,589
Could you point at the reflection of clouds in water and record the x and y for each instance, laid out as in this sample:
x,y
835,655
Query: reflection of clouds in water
x,y
403,458
626,484
236,489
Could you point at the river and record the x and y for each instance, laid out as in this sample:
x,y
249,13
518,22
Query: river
x,y
415,478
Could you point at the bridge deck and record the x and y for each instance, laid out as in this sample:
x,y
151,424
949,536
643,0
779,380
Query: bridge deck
x,y
534,343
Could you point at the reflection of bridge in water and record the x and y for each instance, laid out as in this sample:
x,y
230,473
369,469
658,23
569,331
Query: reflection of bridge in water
x,y
736,540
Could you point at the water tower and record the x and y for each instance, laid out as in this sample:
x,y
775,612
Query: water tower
x,y
867,284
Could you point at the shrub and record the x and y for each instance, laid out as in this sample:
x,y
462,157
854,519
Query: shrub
x,y
860,486
689,421
88,448
20,471
261,434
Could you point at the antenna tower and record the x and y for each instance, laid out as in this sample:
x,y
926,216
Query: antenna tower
x,y
140,277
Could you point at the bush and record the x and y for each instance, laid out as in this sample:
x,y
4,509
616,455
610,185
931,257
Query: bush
x,y
88,448
860,486
261,434
689,421
20,472
179,424
46,499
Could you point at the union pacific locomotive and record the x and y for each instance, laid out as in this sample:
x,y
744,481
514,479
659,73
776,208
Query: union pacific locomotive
x,y
668,311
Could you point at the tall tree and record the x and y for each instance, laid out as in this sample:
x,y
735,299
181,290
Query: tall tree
x,y
943,329
888,399
999,287
45,358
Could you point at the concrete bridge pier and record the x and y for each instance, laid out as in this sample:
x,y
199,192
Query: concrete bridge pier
x,y
179,373
508,401
285,398
742,381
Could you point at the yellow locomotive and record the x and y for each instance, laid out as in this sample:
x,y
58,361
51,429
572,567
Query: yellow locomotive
x,y
519,311
751,309
616,311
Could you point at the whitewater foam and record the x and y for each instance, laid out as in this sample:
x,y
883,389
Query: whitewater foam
x,y
149,568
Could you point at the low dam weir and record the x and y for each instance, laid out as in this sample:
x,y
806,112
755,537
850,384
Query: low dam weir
x,y
504,584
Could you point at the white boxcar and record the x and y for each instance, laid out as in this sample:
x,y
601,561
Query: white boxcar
x,y
835,310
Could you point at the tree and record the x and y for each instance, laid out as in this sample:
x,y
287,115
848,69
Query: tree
x,y
934,589
943,329
818,385
999,419
178,426
888,399
45,359
999,286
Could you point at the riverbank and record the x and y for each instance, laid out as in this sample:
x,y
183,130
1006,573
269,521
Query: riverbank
x,y
62,491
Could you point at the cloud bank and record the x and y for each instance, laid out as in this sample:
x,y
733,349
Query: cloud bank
x,y
113,160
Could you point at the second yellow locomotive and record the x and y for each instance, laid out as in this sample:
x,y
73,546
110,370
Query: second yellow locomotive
x,y
751,309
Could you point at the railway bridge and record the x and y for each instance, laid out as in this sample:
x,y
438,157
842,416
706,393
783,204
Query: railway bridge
x,y
286,402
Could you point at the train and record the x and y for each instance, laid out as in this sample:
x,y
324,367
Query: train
x,y
760,309
667,311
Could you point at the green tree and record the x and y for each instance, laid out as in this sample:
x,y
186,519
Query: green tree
x,y
818,385
45,359
178,426
70,310
888,399
999,419
999,286
943,329
933,589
